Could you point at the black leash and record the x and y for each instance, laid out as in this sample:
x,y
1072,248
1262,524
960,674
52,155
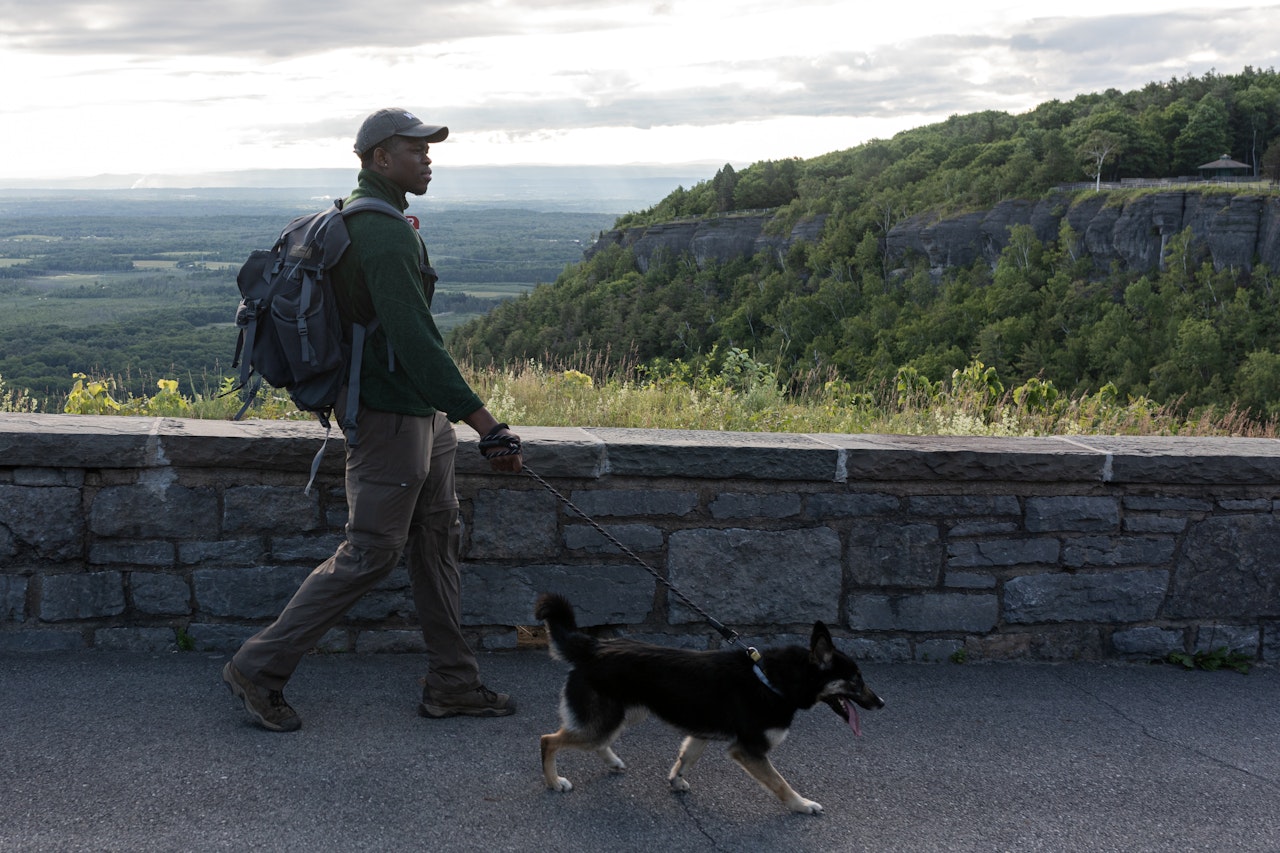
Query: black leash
x,y
509,445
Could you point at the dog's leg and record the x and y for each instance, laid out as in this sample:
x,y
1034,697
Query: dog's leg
x,y
611,759
690,752
551,744
763,771
568,738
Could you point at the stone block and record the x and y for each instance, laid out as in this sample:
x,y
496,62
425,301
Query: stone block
x,y
135,639
1271,642
717,454
756,577
513,524
230,552
1088,551
1141,503
13,598
1130,596
963,506
982,528
219,637
968,580
601,594
390,641
634,502
1154,524
1072,513
782,505
637,537
250,593
992,553
823,506
886,554
1253,505
305,549
937,651
876,649
1148,642
926,612
73,477
267,509
1242,639
154,510
47,519
117,552
1227,569
40,640
81,596
160,594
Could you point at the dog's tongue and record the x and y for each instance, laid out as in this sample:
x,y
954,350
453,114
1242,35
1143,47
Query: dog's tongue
x,y
851,714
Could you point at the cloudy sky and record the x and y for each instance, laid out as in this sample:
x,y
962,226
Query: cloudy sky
x,y
182,86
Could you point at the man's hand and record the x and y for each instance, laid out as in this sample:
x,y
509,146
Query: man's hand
x,y
498,443
502,448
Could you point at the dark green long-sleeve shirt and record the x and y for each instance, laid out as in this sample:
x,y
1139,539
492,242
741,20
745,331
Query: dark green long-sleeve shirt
x,y
379,276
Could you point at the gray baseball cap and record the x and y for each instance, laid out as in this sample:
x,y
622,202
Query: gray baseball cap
x,y
393,121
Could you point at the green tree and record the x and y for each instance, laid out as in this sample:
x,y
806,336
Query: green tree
x,y
1206,136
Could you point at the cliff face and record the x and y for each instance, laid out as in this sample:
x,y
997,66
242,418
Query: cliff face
x,y
720,239
1231,230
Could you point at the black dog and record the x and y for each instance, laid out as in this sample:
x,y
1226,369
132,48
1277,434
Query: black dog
x,y
718,695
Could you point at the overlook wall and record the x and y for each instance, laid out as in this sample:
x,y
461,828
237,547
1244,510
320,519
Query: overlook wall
x,y
161,533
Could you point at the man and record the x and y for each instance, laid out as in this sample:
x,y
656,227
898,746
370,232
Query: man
x,y
400,474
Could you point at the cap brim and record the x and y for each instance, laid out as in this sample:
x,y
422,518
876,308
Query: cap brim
x,y
429,132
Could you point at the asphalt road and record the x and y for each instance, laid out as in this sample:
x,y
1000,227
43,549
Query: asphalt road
x,y
111,751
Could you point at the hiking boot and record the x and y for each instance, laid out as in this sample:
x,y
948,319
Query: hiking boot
x,y
266,706
480,702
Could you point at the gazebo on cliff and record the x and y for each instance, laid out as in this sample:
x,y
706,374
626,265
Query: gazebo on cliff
x,y
1225,167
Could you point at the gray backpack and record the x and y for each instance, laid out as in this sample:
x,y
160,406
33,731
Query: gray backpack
x,y
291,333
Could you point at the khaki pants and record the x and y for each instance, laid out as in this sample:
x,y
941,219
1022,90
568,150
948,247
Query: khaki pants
x,y
400,500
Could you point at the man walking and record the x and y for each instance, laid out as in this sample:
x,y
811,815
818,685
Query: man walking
x,y
400,475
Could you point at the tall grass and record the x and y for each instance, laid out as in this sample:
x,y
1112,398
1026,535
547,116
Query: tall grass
x,y
730,392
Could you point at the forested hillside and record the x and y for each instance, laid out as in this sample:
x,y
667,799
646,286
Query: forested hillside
x,y
1185,332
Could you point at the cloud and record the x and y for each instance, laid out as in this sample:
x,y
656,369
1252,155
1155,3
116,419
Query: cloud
x,y
270,28
262,81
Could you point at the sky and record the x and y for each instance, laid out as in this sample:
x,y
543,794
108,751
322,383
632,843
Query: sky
x,y
191,86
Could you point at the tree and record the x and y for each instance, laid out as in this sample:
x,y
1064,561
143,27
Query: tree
x,y
1099,147
1206,136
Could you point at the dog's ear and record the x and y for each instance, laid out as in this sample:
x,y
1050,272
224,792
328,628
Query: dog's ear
x,y
822,650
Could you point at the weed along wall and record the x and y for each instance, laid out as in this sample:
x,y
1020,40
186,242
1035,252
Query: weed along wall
x,y
159,534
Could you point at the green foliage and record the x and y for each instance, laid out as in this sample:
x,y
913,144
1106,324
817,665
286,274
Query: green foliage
x,y
143,290
1188,336
15,399
1212,661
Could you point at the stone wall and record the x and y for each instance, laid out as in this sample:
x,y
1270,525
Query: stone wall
x,y
162,533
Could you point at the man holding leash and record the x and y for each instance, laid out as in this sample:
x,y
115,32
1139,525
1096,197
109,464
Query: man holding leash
x,y
400,475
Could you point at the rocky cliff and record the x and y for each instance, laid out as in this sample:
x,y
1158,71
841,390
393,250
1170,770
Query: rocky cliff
x,y
1232,230
720,239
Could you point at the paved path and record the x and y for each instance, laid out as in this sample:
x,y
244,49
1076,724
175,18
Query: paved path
x,y
134,752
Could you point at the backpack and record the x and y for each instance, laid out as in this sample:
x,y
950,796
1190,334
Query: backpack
x,y
291,333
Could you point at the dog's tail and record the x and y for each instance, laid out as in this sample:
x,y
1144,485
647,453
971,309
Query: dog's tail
x,y
567,642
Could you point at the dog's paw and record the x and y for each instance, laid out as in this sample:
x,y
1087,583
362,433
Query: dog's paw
x,y
562,784
803,806
679,784
612,761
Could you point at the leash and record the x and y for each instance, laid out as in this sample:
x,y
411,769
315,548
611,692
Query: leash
x,y
509,445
